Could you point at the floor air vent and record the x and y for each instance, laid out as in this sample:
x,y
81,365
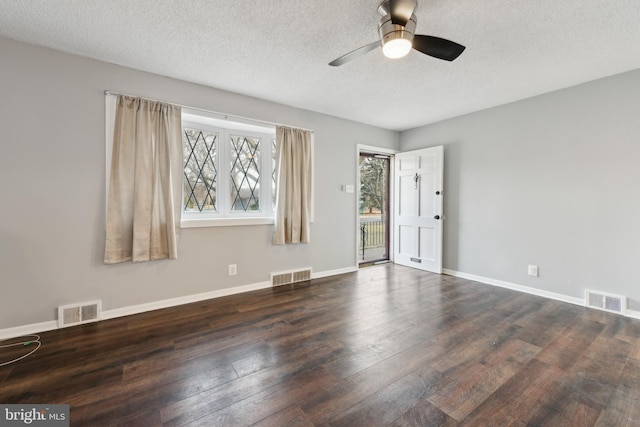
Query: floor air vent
x,y
287,277
75,314
606,302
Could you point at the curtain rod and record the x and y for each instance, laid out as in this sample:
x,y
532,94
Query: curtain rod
x,y
226,116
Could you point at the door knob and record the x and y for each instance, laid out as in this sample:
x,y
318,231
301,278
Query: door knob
x,y
436,217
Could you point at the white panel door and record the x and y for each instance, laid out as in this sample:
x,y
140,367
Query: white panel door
x,y
418,209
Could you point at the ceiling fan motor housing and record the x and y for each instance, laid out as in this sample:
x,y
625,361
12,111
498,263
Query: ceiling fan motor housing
x,y
389,31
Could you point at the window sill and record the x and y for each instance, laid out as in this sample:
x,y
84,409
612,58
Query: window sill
x,y
223,222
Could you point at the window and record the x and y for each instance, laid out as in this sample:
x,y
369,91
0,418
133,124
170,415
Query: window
x,y
228,168
228,172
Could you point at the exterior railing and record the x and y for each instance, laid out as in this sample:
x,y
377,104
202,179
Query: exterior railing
x,y
372,234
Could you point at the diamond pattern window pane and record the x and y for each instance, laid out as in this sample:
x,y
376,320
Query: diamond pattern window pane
x,y
199,151
245,174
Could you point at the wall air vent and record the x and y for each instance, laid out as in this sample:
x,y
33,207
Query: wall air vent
x,y
288,277
606,302
76,314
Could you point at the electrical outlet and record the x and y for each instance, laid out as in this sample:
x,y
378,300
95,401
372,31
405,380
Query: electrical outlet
x,y
233,269
533,270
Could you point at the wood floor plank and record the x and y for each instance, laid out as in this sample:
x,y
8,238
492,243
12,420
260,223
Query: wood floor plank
x,y
542,326
630,378
333,401
580,386
374,337
623,409
86,360
390,402
464,389
269,401
52,382
209,401
571,414
635,352
5,370
511,404
105,404
291,416
424,414
387,345
373,346
475,346
216,353
604,360
620,327
567,348
248,327
145,418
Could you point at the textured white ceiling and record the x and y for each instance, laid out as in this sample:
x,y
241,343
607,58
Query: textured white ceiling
x,y
279,50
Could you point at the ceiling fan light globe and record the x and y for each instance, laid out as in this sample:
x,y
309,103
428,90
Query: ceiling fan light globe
x,y
396,48
396,39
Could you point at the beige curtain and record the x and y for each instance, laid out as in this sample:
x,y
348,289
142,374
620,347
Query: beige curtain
x,y
140,207
294,198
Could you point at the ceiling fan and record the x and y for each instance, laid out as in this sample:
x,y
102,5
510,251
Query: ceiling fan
x,y
396,30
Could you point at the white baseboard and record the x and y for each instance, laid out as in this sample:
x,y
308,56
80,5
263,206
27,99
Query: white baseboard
x,y
526,289
333,272
34,328
633,314
187,299
515,287
19,331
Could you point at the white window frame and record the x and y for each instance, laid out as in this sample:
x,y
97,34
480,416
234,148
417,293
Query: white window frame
x,y
224,216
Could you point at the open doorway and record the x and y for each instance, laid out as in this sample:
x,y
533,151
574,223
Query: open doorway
x,y
373,208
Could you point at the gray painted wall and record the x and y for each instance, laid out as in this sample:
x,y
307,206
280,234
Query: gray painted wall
x,y
52,169
553,181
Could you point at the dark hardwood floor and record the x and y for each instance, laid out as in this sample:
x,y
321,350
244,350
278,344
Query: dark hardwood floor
x,y
388,345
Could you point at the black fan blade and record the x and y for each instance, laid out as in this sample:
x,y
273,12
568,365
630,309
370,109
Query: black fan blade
x,y
401,11
354,54
437,47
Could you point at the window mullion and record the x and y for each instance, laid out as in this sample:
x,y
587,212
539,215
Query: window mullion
x,y
224,182
265,175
